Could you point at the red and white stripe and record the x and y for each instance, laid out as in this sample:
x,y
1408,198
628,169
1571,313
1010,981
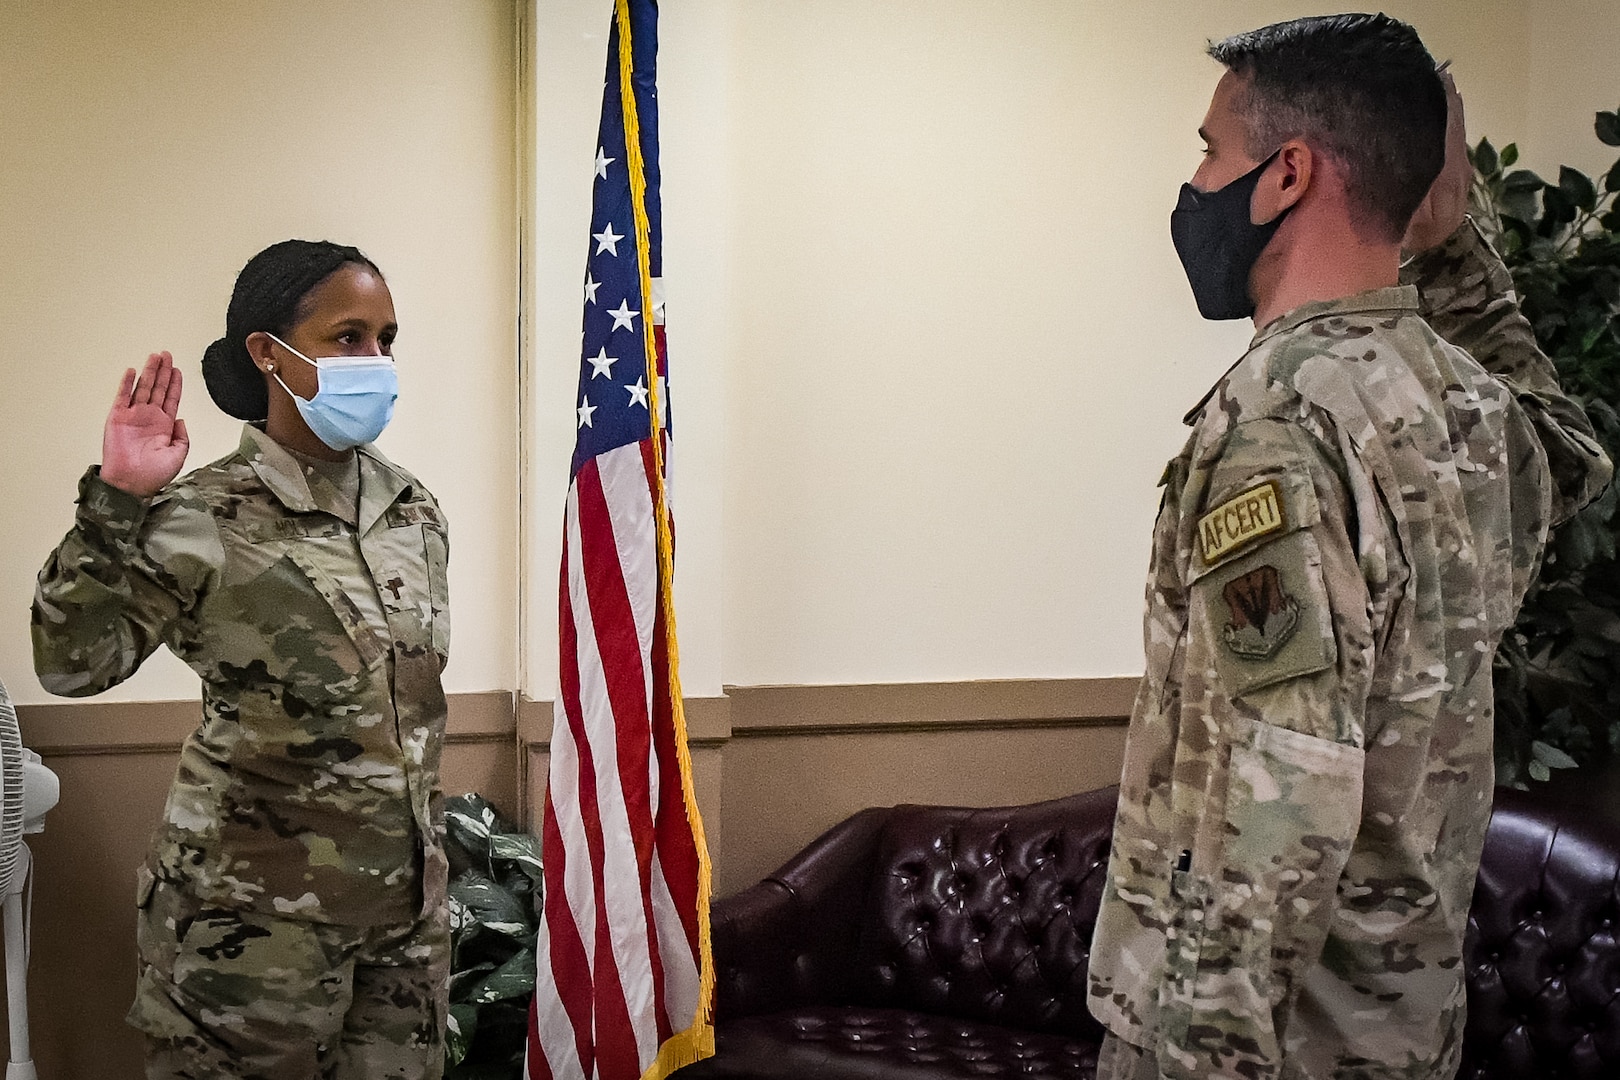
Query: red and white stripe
x,y
618,952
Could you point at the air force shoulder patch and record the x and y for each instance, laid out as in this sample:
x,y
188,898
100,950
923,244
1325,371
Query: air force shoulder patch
x,y
1239,521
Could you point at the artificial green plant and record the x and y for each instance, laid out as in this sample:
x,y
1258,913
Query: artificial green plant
x,y
1558,670
495,890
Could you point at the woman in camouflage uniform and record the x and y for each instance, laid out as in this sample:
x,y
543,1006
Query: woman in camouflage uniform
x,y
291,908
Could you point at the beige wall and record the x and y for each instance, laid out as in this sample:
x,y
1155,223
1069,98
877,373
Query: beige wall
x,y
1572,49
912,249
568,39
930,349
930,343
963,343
147,150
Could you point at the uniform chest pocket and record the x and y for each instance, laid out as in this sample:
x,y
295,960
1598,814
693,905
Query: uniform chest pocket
x,y
414,582
287,581
366,642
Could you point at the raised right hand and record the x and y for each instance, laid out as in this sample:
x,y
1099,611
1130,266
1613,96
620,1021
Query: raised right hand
x,y
144,443
1444,208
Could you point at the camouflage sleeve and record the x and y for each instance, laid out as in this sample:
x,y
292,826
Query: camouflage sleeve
x,y
1281,622
1467,296
110,593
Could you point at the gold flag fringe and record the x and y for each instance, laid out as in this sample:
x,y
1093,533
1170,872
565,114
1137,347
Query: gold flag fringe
x,y
697,1041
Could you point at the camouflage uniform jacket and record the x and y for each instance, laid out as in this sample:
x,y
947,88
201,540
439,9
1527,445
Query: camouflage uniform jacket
x,y
310,790
1347,534
1467,296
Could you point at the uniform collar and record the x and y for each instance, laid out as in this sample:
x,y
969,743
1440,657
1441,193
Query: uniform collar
x,y
1397,299
381,481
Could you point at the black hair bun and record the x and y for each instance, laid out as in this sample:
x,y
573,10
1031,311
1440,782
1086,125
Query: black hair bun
x,y
268,296
236,386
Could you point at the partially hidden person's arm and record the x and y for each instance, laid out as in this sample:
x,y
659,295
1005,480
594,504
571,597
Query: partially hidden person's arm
x,y
110,593
1281,631
1468,298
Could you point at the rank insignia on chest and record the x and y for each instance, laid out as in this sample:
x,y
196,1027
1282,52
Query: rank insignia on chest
x,y
1239,521
1263,615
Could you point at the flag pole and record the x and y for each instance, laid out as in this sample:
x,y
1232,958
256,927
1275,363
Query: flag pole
x,y
697,1041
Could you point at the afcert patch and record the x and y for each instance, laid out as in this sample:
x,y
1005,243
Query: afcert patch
x,y
1239,521
1262,614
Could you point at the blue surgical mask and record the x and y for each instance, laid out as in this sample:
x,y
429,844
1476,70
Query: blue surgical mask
x,y
354,399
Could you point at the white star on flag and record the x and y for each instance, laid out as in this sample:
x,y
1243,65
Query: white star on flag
x,y
585,409
602,162
591,285
638,393
622,316
607,240
602,363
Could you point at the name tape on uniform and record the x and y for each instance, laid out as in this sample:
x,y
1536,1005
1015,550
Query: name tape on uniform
x,y
1239,520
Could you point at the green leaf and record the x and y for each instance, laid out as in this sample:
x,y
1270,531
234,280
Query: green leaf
x,y
486,901
471,824
513,979
1607,126
520,849
1510,155
1523,180
468,977
1558,208
1539,771
460,1027
1578,187
1551,756
1485,158
1576,546
510,929
1592,337
1520,207
1611,182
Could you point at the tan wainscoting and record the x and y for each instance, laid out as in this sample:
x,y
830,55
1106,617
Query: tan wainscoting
x,y
708,733
774,767
116,761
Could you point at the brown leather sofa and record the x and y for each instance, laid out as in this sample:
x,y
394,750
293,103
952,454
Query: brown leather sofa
x,y
925,942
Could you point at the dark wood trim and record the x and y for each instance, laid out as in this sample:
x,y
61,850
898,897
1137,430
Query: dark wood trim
x,y
762,711
484,716
805,730
152,727
708,721
83,728
107,727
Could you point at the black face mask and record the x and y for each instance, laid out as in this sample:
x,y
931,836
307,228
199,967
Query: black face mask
x,y
1218,244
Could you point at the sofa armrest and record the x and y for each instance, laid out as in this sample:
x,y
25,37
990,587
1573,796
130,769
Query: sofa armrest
x,y
789,940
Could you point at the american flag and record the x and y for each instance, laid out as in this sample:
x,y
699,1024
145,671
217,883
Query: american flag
x,y
624,973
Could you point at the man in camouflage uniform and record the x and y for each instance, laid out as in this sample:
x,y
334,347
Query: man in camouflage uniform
x,y
299,873
1347,534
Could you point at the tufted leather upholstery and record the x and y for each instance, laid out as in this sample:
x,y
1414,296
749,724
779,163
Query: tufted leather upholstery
x,y
920,943
987,915
1542,956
